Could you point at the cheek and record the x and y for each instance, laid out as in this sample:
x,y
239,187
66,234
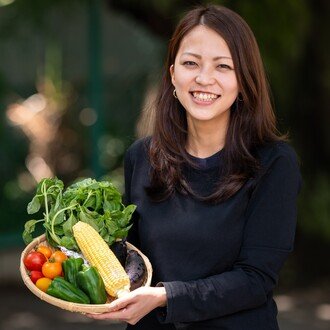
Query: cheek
x,y
230,83
182,78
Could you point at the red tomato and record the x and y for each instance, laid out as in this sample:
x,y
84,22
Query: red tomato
x,y
35,275
34,261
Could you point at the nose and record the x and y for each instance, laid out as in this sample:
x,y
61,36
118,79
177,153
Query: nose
x,y
205,77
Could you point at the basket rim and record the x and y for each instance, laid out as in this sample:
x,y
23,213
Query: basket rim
x,y
70,306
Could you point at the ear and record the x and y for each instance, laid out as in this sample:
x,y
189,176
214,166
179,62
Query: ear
x,y
172,74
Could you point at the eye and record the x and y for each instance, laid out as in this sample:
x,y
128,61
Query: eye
x,y
225,67
189,63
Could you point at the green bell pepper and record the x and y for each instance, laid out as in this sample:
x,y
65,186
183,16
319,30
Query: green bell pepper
x,y
90,281
71,268
60,288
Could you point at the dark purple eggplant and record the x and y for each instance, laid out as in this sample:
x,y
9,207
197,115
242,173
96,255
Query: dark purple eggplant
x,y
135,269
119,248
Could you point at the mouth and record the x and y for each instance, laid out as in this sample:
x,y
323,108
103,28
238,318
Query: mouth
x,y
204,98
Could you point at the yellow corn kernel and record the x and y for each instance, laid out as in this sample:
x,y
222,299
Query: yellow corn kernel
x,y
98,254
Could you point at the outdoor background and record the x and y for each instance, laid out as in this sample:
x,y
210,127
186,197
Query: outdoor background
x,y
75,76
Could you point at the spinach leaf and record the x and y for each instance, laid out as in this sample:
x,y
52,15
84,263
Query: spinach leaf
x,y
34,205
97,203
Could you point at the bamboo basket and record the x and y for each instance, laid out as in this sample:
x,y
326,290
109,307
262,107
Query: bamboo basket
x,y
70,306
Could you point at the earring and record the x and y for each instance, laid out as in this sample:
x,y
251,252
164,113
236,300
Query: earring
x,y
174,94
240,97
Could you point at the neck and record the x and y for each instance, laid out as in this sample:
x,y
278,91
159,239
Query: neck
x,y
205,138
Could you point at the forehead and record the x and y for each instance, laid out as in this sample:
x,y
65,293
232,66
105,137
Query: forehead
x,y
204,41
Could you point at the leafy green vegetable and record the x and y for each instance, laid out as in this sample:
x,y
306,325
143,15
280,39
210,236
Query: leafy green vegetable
x,y
97,203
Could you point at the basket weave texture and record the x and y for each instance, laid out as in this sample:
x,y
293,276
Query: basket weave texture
x,y
70,306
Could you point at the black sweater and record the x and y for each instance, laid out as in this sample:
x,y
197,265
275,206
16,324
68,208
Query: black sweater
x,y
218,263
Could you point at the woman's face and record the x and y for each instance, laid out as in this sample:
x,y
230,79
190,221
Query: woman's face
x,y
204,77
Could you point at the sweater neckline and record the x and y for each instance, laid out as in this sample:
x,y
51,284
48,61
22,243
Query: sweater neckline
x,y
208,162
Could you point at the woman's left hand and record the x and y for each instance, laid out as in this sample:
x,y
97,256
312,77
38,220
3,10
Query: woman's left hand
x,y
134,305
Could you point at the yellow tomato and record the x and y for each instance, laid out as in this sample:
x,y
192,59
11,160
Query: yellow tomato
x,y
43,283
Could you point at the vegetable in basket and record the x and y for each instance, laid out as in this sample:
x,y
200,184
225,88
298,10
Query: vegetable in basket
x,y
90,281
71,267
119,248
135,269
62,289
98,254
97,203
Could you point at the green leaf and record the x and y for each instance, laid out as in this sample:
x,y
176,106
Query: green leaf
x,y
111,205
111,226
59,230
60,217
85,218
50,239
30,226
111,240
127,214
68,224
27,237
69,243
91,202
33,206
106,238
122,233
55,238
103,232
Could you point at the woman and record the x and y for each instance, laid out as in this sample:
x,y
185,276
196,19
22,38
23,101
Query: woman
x,y
215,186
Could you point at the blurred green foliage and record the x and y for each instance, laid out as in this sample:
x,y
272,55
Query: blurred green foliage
x,y
47,40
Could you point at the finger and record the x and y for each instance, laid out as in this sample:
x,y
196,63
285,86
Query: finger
x,y
103,316
120,303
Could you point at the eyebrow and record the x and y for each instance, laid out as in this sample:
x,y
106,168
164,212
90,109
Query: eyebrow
x,y
199,56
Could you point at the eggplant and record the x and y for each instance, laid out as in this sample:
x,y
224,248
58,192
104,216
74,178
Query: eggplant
x,y
119,248
135,269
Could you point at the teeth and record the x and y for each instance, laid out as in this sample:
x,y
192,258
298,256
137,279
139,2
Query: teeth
x,y
205,96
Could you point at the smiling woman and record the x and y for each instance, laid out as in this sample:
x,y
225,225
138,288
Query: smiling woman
x,y
206,85
215,186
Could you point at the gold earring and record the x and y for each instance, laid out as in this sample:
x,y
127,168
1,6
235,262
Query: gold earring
x,y
174,94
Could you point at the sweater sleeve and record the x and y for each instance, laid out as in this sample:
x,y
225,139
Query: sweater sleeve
x,y
267,240
133,236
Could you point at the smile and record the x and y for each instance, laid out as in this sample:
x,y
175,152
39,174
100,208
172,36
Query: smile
x,y
204,97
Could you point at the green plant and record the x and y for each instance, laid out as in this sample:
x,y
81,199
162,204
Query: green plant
x,y
97,203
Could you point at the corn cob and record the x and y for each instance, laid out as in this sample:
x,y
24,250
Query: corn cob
x,y
98,254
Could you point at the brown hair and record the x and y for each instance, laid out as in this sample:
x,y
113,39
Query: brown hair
x,y
252,120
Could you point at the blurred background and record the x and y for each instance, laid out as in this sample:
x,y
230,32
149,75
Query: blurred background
x,y
75,77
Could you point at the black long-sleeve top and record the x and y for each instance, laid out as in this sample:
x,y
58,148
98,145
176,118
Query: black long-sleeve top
x,y
218,263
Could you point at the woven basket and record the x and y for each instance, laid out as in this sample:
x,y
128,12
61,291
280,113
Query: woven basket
x,y
70,306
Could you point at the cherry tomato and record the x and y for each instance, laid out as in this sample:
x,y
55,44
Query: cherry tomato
x,y
43,283
34,260
58,256
45,250
51,269
35,275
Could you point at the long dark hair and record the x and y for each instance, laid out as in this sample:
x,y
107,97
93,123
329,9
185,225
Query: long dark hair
x,y
252,121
